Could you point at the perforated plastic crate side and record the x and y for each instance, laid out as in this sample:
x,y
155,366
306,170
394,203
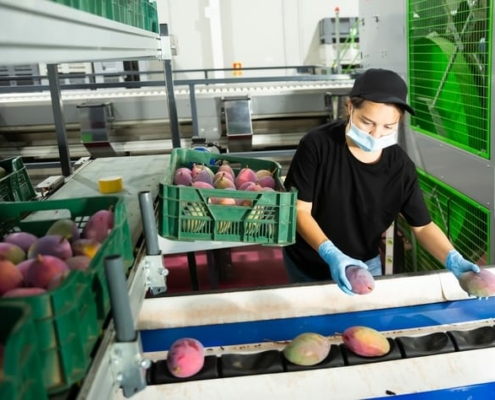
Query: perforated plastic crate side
x,y
16,185
21,369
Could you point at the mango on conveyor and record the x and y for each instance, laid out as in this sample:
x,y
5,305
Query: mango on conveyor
x,y
307,349
185,357
365,341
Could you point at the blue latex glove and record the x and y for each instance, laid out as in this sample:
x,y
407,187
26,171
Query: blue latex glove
x,y
458,265
338,262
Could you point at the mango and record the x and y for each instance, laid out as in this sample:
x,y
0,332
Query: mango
x,y
43,269
223,174
267,181
226,168
223,183
361,280
51,245
245,175
10,276
80,263
365,341
3,172
263,172
57,280
99,225
66,228
203,176
182,176
22,239
85,247
11,252
24,292
202,185
199,169
185,357
479,285
307,349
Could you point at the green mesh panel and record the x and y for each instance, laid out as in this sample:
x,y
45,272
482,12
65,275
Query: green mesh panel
x,y
450,71
465,222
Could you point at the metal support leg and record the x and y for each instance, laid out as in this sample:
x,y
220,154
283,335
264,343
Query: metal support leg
x,y
193,271
169,83
156,271
194,111
212,270
223,261
58,116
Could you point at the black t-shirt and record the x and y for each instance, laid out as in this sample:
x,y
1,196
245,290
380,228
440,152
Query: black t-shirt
x,y
353,202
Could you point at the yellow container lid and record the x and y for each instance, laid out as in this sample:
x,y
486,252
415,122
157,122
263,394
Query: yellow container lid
x,y
111,184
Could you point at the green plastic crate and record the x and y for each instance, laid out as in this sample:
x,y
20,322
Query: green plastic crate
x,y
150,15
186,213
66,328
43,213
21,378
16,185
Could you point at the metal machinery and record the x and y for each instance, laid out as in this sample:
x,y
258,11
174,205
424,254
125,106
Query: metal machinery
x,y
442,342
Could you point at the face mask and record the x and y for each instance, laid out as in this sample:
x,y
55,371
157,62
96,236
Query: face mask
x,y
367,142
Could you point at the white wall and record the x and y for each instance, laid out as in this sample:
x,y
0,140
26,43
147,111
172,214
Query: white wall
x,y
253,32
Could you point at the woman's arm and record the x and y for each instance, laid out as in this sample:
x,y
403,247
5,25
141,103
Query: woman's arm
x,y
432,238
307,227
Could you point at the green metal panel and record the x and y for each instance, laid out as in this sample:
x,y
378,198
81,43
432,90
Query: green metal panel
x,y
450,71
465,222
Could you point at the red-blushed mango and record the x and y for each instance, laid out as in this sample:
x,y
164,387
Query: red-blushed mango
x,y
203,176
99,225
224,175
261,173
12,252
22,239
226,168
43,270
57,280
202,185
245,175
198,170
10,276
267,181
24,292
480,284
307,349
365,341
185,357
51,245
223,183
80,263
24,266
361,280
182,176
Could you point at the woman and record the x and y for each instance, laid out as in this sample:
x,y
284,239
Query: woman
x,y
353,180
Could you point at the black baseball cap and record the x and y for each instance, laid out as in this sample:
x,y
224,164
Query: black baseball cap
x,y
382,86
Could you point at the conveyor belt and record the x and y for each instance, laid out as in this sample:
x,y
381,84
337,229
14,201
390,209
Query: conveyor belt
x,y
217,90
390,319
243,332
